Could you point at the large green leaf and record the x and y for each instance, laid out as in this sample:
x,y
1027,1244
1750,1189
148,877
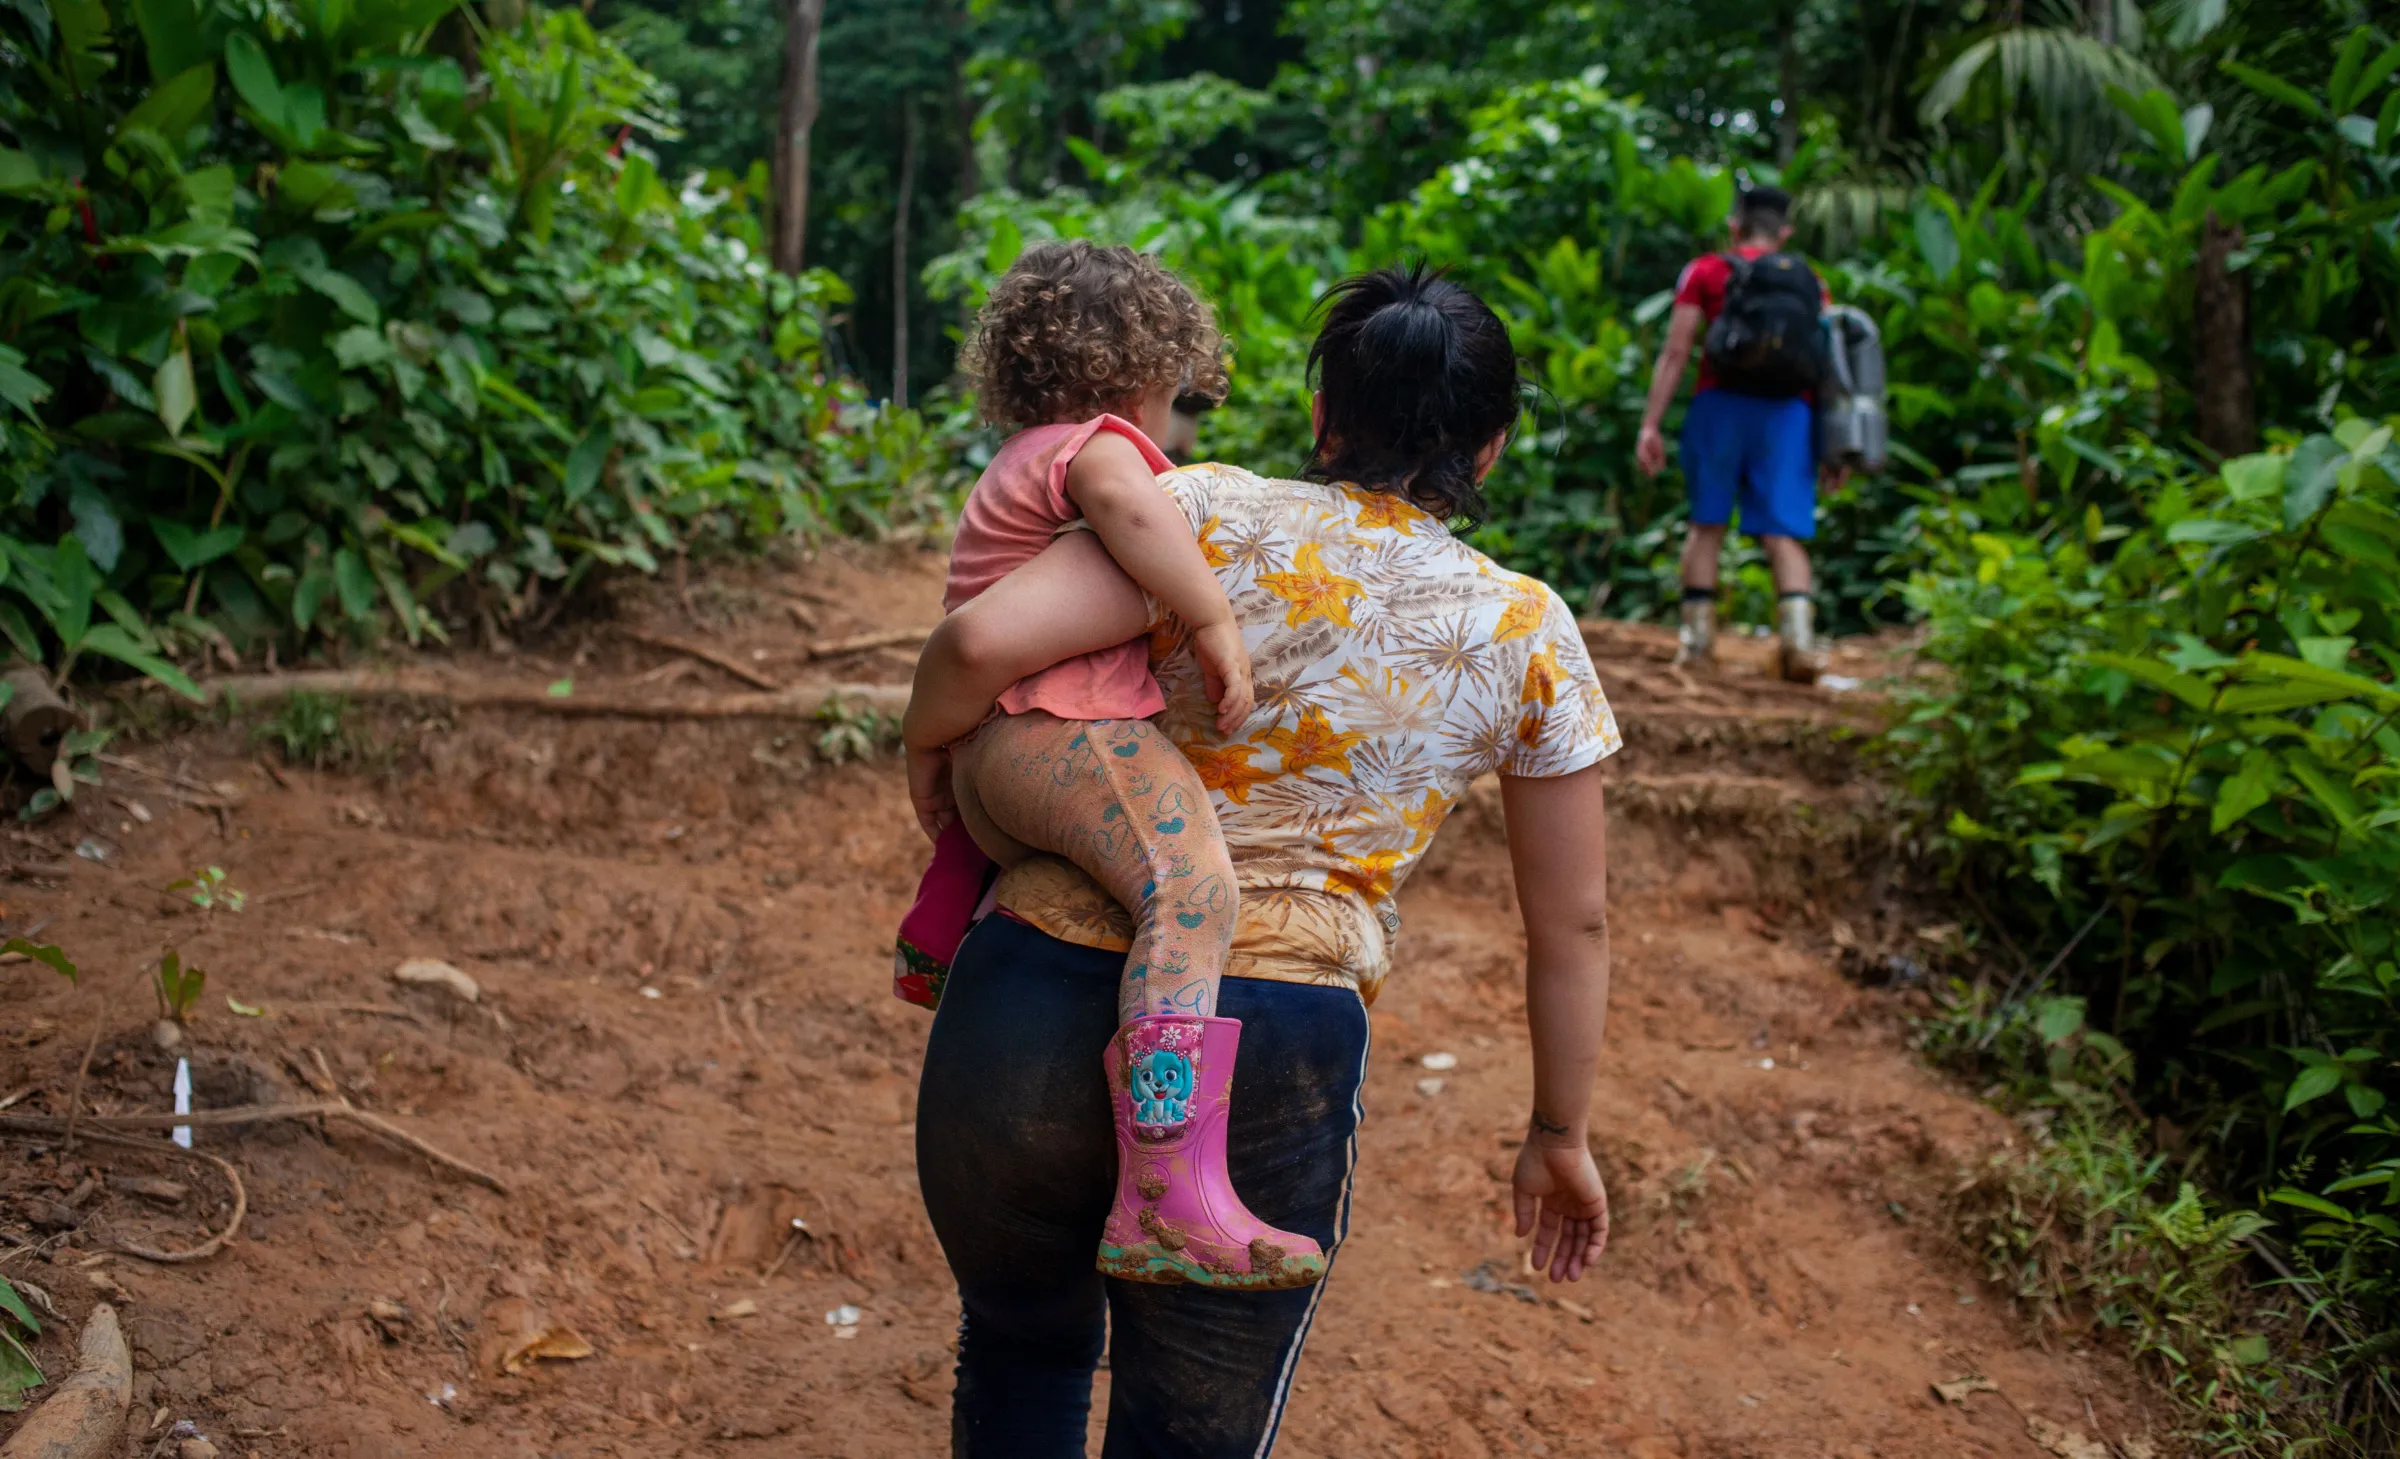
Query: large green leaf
x,y
178,395
348,294
2266,83
110,641
171,35
10,1301
2314,1082
19,386
2309,479
355,584
2190,688
58,962
253,76
174,104
193,549
19,1374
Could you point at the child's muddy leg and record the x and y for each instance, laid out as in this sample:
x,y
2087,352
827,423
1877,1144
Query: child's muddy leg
x,y
1117,798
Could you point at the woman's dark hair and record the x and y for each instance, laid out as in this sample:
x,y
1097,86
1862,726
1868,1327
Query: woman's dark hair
x,y
1418,376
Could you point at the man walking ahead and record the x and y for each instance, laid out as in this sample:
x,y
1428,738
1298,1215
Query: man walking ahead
x,y
1750,434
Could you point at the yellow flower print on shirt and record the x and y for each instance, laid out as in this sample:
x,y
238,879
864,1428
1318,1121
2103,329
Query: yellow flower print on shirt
x,y
1543,676
1227,768
1315,743
1313,590
1382,509
1210,553
1368,876
1524,613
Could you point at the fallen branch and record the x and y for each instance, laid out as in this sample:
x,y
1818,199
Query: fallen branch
x,y
254,1114
86,1416
164,777
834,648
796,701
233,1178
706,655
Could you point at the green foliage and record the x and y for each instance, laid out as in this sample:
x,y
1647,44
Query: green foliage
x,y
77,764
850,732
44,953
313,730
19,1373
178,986
207,889
379,319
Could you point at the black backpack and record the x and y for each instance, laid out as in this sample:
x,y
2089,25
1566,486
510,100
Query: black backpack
x,y
1769,339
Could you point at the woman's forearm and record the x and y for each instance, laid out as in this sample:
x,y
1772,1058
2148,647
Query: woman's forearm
x,y
1558,844
1566,1012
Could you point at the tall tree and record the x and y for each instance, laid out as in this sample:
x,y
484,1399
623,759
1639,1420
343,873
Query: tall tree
x,y
803,20
901,278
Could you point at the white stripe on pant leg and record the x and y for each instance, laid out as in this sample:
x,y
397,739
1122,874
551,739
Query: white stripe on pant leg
x,y
1291,1360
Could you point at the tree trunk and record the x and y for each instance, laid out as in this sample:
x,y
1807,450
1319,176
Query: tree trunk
x,y
900,275
2222,396
803,19
962,107
1787,83
2104,21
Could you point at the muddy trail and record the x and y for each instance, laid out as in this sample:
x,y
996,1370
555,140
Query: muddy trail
x,y
684,1067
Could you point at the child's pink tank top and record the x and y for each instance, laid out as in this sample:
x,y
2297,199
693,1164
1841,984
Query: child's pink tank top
x,y
1017,506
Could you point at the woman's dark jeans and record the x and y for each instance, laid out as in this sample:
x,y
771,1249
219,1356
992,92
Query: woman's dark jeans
x,y
1018,1160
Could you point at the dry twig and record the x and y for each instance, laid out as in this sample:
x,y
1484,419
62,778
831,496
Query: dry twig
x,y
706,655
893,638
793,702
254,1114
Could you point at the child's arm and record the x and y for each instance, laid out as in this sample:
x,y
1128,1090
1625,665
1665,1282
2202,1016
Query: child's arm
x,y
1071,599
1111,484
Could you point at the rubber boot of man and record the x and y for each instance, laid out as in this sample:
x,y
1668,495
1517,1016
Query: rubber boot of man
x,y
1801,656
1697,635
1176,1217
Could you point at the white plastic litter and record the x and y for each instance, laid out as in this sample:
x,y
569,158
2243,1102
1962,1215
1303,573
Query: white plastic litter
x,y
183,1101
1440,1063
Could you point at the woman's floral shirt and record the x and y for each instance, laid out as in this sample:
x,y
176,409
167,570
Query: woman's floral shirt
x,y
1395,665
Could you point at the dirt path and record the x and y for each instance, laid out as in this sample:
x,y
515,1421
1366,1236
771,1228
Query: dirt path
x,y
685,1041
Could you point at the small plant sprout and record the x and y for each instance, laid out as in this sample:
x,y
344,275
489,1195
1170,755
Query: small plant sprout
x,y
206,889
852,731
311,730
178,986
77,764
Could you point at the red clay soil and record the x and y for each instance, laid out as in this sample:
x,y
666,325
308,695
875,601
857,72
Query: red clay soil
x,y
685,1042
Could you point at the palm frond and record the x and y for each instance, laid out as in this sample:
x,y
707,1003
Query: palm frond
x,y
2060,73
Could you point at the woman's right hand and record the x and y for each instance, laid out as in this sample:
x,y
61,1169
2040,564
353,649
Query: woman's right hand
x,y
1562,1205
1225,670
930,792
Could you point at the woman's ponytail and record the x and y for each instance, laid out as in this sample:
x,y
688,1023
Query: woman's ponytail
x,y
1418,377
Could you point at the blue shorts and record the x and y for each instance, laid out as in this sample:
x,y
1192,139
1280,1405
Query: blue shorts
x,y
1761,450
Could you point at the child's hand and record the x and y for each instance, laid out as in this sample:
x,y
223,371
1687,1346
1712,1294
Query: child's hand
x,y
1225,669
930,793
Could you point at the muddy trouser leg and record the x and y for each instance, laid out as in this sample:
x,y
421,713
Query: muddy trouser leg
x,y
1016,1158
1117,798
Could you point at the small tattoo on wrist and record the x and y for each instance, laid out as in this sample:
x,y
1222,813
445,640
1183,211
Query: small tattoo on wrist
x,y
1544,1125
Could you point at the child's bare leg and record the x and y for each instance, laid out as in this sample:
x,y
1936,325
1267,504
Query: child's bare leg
x,y
1119,800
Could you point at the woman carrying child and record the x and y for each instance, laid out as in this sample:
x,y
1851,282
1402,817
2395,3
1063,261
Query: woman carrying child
x,y
1394,666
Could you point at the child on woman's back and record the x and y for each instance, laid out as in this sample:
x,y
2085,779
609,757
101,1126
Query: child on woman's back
x,y
1083,350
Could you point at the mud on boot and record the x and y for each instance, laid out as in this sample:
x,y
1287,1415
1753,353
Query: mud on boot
x,y
1176,1217
1696,634
1800,655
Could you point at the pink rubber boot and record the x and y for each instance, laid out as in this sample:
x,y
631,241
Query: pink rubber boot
x,y
1176,1217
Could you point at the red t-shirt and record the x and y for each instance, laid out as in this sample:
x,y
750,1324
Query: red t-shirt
x,y
1703,283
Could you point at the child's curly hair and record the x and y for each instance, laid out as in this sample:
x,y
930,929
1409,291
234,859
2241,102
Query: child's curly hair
x,y
1074,329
